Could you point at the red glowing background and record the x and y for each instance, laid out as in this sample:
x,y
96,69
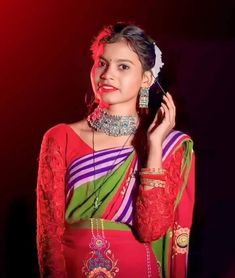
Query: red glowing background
x,y
44,75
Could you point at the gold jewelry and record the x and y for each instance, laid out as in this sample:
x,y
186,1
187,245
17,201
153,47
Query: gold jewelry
x,y
153,183
157,171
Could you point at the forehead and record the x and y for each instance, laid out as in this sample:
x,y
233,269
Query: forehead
x,y
116,51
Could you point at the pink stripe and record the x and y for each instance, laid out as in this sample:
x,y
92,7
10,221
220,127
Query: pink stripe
x,y
129,212
90,179
168,138
97,159
127,196
97,167
173,145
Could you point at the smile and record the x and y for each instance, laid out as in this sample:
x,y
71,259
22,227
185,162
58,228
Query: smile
x,y
106,88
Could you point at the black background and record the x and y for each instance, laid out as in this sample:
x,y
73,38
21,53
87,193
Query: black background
x,y
44,75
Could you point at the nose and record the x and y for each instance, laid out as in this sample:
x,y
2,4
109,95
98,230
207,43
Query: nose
x,y
108,73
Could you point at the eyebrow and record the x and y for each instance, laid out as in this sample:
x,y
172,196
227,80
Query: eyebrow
x,y
119,60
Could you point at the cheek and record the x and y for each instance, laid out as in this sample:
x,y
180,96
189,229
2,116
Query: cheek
x,y
134,82
93,81
95,75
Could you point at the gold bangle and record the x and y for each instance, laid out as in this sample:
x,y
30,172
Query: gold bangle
x,y
153,183
157,171
150,187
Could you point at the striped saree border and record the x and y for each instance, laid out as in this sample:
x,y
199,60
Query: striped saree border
x,y
124,212
174,138
82,169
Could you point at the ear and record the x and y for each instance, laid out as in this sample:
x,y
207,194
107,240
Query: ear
x,y
147,79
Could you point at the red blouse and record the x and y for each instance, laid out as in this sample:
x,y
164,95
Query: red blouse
x,y
60,145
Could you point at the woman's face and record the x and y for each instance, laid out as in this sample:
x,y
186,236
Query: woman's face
x,y
117,75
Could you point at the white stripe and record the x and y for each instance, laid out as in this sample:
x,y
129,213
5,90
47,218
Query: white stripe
x,y
172,146
127,196
128,213
169,137
89,179
97,159
97,167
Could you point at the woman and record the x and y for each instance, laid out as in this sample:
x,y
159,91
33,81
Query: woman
x,y
114,198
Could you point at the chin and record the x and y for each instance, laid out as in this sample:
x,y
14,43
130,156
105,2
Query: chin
x,y
103,105
109,100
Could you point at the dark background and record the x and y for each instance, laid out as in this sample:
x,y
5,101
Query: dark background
x,y
44,75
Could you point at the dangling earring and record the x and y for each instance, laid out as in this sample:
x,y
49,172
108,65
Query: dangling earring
x,y
144,98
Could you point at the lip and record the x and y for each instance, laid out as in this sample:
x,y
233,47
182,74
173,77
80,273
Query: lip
x,y
106,88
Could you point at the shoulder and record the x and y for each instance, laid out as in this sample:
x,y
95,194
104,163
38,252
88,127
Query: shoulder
x,y
177,135
56,131
55,137
63,132
53,146
80,126
61,129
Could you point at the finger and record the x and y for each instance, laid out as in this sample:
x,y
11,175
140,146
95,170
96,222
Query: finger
x,y
168,116
170,108
157,119
166,112
170,103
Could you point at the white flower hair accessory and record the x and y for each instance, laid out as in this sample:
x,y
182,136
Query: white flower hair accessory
x,y
158,62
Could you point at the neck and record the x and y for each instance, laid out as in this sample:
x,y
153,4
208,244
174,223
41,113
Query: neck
x,y
113,124
121,110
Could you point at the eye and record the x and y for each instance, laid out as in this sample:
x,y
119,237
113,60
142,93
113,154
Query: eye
x,y
123,67
101,63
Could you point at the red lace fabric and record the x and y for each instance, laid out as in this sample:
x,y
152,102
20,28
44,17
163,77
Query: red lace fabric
x,y
155,207
50,209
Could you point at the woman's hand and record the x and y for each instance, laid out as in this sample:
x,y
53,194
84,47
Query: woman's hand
x,y
163,122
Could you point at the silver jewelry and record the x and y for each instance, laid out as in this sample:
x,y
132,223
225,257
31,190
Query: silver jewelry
x,y
144,98
112,125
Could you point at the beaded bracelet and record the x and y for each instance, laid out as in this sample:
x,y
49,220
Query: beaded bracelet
x,y
159,171
153,177
153,183
146,187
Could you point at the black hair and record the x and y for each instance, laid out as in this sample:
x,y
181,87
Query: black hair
x,y
143,46
136,37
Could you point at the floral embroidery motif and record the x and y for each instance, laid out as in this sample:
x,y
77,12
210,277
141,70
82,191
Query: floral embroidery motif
x,y
155,207
181,240
50,204
101,262
99,273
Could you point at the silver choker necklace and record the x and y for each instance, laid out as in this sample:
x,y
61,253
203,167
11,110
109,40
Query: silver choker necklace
x,y
112,125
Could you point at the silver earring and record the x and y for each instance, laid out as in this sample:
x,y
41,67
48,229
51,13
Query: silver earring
x,y
144,98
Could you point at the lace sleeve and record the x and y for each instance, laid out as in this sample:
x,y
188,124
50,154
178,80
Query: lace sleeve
x,y
50,209
155,207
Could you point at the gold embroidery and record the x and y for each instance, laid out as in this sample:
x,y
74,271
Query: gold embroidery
x,y
101,261
100,272
181,240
